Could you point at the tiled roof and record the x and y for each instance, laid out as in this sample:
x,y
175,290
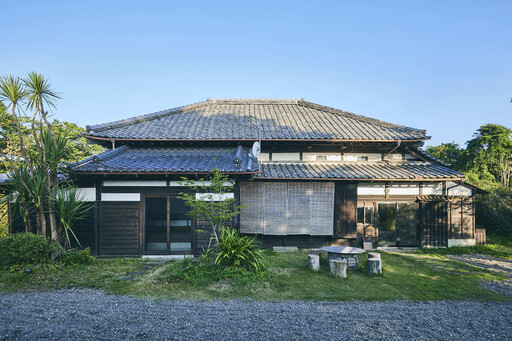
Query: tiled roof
x,y
166,160
370,171
252,119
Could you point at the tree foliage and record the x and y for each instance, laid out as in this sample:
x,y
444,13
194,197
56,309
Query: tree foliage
x,y
212,204
487,163
35,151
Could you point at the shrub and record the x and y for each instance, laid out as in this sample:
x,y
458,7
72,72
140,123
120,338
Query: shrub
x,y
25,248
238,251
80,257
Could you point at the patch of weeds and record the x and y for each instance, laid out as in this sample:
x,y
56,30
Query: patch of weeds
x,y
200,274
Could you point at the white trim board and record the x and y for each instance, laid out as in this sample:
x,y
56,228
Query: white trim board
x,y
114,183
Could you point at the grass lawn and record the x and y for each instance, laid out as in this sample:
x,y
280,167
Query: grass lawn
x,y
406,276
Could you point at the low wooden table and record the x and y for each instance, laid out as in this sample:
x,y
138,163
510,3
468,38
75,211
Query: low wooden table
x,y
348,253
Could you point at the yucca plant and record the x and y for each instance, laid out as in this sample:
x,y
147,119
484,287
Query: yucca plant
x,y
235,250
70,208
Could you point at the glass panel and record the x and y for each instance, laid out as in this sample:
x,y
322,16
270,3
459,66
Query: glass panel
x,y
407,224
360,215
181,237
368,215
156,224
387,224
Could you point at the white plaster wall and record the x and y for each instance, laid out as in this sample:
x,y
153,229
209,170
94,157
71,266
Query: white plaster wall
x,y
264,156
461,242
120,196
404,189
285,156
87,193
329,156
433,189
354,156
394,157
459,190
371,189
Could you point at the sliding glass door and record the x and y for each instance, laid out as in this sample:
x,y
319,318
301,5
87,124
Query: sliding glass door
x,y
167,229
398,224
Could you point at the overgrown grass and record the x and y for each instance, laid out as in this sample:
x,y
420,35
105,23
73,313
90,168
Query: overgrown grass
x,y
497,246
100,274
412,277
406,276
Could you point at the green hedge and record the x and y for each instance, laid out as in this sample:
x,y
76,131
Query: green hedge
x,y
25,248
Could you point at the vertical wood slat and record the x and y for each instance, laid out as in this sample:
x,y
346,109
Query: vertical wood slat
x,y
345,210
275,211
467,218
251,215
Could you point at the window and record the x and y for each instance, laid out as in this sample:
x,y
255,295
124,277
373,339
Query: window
x,y
365,215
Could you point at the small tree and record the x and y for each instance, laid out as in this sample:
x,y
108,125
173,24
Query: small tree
x,y
212,202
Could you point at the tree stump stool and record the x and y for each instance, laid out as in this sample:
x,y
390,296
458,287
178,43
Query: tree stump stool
x,y
314,262
374,266
317,252
374,255
338,268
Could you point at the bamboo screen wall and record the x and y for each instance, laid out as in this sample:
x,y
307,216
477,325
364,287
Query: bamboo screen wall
x,y
287,208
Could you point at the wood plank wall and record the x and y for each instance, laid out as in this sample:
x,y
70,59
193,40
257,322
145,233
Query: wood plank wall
x,y
119,232
462,218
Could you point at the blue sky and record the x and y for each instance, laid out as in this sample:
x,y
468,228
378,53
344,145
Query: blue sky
x,y
443,66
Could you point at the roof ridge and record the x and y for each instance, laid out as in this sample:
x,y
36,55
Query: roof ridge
x,y
106,155
145,117
357,116
255,101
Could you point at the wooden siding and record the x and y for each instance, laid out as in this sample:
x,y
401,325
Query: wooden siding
x,y
287,208
462,218
84,231
345,210
119,229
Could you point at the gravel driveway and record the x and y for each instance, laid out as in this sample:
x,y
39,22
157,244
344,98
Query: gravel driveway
x,y
85,314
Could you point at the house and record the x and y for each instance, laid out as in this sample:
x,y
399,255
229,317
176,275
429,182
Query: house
x,y
323,177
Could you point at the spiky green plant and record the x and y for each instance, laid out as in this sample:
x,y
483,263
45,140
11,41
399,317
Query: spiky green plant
x,y
235,250
70,208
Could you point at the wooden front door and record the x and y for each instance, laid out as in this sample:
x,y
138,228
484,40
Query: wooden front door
x,y
166,227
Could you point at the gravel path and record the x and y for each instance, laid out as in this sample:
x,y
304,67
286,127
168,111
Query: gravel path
x,y
502,266
90,314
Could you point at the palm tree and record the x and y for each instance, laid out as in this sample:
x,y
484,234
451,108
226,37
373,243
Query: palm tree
x,y
39,93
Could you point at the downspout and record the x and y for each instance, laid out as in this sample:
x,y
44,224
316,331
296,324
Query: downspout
x,y
398,143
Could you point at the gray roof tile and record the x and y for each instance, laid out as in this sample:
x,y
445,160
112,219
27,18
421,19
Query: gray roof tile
x,y
345,170
244,119
165,160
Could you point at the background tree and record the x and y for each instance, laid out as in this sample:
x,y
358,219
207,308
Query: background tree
x,y
37,151
487,163
449,153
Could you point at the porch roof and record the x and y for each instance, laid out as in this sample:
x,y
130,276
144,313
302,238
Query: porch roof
x,y
131,160
356,171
